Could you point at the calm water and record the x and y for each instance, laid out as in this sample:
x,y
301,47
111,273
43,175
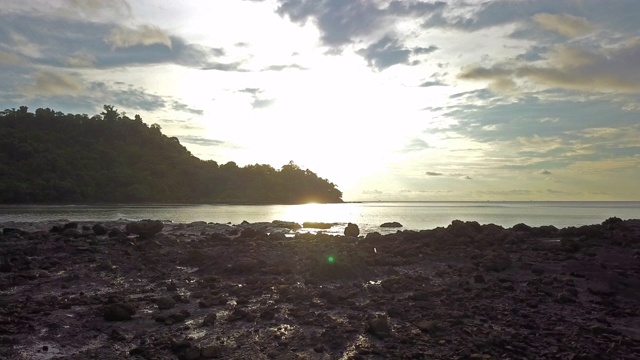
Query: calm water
x,y
413,215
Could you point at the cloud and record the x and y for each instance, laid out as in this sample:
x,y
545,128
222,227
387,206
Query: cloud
x,y
257,102
564,24
181,107
96,9
416,145
571,67
49,83
143,35
199,140
372,192
432,83
433,173
252,91
385,53
336,20
284,67
423,50
544,172
81,60
10,59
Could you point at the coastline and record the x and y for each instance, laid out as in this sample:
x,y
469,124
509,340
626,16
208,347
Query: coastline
x,y
203,290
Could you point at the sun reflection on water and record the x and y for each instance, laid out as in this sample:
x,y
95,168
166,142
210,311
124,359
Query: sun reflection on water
x,y
327,213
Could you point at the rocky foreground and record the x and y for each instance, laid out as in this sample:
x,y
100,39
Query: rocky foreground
x,y
198,291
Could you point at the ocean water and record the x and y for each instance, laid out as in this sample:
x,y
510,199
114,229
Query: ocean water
x,y
368,215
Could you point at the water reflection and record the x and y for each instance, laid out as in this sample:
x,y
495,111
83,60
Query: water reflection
x,y
327,213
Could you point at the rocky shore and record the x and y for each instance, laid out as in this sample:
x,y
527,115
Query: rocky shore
x,y
197,291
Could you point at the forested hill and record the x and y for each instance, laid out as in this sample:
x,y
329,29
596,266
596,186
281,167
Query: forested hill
x,y
51,157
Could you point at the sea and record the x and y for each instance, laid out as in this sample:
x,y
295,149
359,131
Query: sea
x,y
367,215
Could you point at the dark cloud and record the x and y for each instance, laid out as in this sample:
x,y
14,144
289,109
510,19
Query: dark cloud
x,y
339,21
199,140
181,107
102,45
544,172
433,173
423,50
384,53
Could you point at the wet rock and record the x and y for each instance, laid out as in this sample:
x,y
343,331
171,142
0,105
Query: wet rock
x,y
317,225
71,232
99,229
165,303
114,233
213,351
569,244
209,319
145,228
496,261
118,312
428,326
521,228
352,230
393,224
378,326
479,279
286,224
277,236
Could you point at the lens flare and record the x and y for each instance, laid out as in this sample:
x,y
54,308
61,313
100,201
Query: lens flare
x,y
331,259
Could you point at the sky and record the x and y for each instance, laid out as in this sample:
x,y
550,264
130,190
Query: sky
x,y
390,100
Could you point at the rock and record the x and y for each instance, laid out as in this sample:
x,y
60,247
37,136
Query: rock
x,y
496,261
99,229
569,244
352,230
286,224
9,231
5,267
479,279
393,224
213,351
165,303
114,233
118,312
249,233
71,232
317,225
379,326
71,225
210,319
277,236
521,228
428,326
145,228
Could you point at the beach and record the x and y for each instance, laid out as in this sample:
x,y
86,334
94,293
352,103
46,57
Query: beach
x,y
120,289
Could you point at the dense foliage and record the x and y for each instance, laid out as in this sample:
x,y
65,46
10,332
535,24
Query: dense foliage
x,y
51,157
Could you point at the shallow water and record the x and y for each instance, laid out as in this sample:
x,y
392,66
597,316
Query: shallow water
x,y
368,215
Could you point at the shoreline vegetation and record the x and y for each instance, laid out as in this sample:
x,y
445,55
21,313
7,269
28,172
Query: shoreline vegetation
x,y
151,290
49,157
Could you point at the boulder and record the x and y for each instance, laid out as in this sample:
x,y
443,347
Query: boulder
x,y
496,261
118,312
379,326
352,230
99,229
393,224
145,228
